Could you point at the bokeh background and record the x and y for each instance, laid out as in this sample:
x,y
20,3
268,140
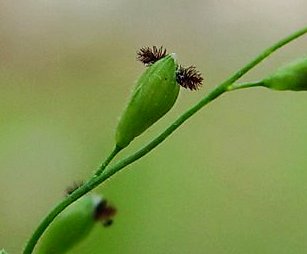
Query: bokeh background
x,y
231,180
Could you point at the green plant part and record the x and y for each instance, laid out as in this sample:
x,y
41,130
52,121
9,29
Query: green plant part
x,y
102,175
155,94
74,225
3,251
289,77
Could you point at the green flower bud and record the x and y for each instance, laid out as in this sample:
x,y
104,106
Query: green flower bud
x,y
155,93
3,251
72,225
290,77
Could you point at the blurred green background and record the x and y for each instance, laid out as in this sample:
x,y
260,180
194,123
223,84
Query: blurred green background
x,y
231,180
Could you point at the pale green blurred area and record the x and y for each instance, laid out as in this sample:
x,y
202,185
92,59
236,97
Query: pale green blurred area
x,y
231,180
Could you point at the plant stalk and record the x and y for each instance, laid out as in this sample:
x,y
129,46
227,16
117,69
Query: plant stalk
x,y
237,86
115,151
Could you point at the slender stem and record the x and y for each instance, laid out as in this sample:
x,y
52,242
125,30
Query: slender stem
x,y
98,179
236,86
115,151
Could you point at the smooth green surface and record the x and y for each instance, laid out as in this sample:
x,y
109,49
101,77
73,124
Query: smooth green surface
x,y
292,76
155,94
70,227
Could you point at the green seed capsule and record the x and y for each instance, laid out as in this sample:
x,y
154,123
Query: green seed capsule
x,y
290,77
154,95
70,227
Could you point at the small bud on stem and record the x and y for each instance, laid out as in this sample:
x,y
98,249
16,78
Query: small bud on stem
x,y
155,93
292,76
75,224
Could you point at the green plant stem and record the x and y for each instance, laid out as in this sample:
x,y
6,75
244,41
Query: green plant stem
x,y
237,86
115,151
95,181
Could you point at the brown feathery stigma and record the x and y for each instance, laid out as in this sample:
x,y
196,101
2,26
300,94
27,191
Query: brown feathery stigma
x,y
104,212
189,77
149,56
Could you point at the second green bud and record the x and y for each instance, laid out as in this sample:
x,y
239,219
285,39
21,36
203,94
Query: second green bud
x,y
292,76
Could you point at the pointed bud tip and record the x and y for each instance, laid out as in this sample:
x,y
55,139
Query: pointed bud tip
x,y
174,56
